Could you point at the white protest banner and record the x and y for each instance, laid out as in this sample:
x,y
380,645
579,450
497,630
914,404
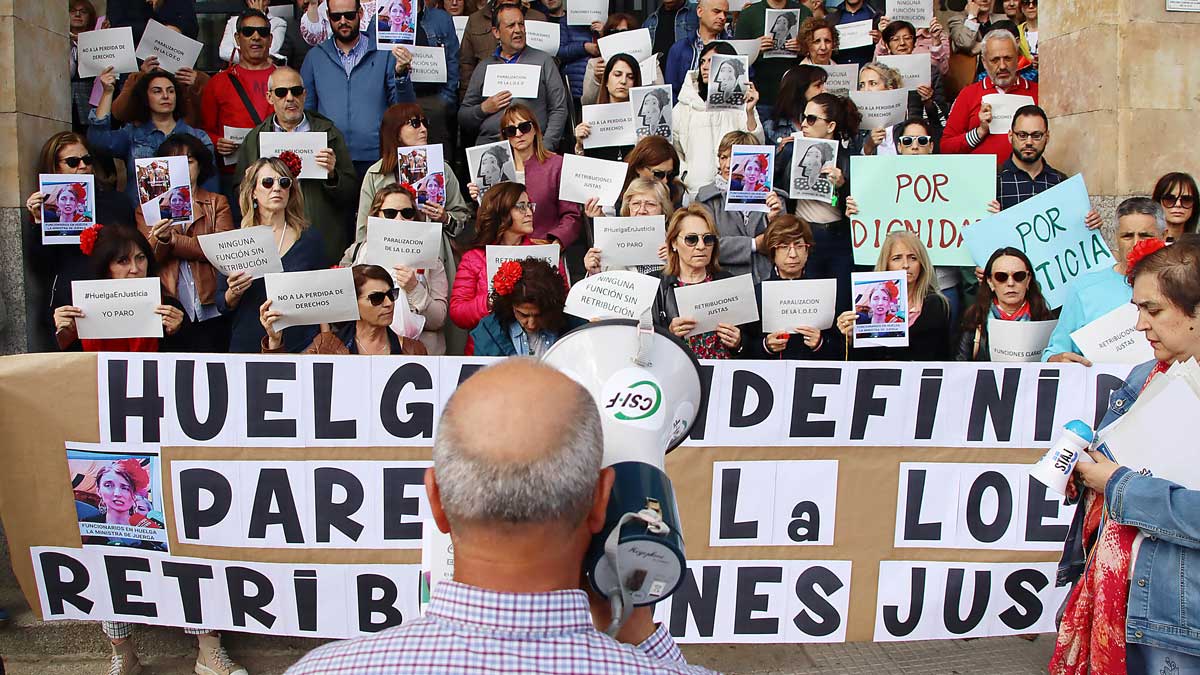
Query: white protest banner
x,y
587,177
395,23
99,49
1049,228
1113,339
520,80
305,144
616,294
586,12
118,308
881,303
881,109
397,242
730,82
852,35
543,36
174,50
1014,341
651,108
309,298
498,255
635,43
747,48
164,189
234,135
730,301
781,25
916,69
460,26
629,241
611,123
842,79
917,12
751,177
428,64
787,305
1004,106
250,249
68,206
809,157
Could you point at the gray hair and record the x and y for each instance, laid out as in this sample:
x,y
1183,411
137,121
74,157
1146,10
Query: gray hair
x,y
1143,206
557,486
1000,34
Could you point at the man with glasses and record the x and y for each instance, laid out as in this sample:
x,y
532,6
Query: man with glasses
x,y
235,99
327,201
350,82
1026,173
479,115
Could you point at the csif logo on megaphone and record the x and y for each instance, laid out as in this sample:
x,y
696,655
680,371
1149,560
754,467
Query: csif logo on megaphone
x,y
633,395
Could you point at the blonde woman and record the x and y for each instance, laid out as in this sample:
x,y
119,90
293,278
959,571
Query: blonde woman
x,y
270,197
643,197
928,310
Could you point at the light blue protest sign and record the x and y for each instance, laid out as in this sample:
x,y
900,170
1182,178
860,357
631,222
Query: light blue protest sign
x,y
1049,229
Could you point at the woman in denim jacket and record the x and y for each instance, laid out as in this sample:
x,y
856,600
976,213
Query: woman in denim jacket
x,y
1133,549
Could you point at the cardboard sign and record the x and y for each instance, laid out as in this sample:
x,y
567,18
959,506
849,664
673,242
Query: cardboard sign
x,y
617,294
611,123
99,49
934,196
543,36
916,69
729,301
1014,341
629,241
305,144
1112,338
587,177
881,302
397,242
1004,106
881,109
250,249
520,80
308,298
68,206
118,308
428,64
787,305
174,50
498,255
635,43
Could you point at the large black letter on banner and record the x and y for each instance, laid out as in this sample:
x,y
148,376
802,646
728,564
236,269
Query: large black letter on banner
x,y
927,403
420,414
804,403
191,482
731,479
866,403
824,619
242,605
1038,508
979,602
185,400
368,605
1047,401
744,380
916,606
259,401
395,504
121,587
989,533
59,590
149,406
1105,386
329,513
188,576
1024,598
305,584
702,604
746,601
325,426
274,483
987,401
701,423
914,529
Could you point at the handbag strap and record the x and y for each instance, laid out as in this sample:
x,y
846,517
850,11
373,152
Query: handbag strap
x,y
241,92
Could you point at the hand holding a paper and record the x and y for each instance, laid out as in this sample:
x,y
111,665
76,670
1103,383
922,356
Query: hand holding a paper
x,y
108,80
172,318
162,231
326,159
406,277
185,76
985,118
403,59
238,283
267,317
680,326
730,336
496,102
1069,357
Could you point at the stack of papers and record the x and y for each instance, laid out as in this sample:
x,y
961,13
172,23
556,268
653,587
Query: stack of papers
x,y
1141,440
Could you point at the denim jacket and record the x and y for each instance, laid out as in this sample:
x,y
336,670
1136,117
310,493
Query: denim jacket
x,y
1164,589
686,22
139,141
438,28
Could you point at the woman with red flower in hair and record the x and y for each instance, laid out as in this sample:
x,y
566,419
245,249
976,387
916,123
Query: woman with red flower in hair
x,y
527,316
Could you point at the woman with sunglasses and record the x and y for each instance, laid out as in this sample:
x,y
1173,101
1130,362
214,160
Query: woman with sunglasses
x,y
371,334
277,31
698,130
692,252
643,197
620,75
527,315
505,219
554,220
1010,292
270,197
594,75
1177,194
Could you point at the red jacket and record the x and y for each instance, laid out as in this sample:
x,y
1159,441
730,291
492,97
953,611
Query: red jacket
x,y
964,118
220,105
469,296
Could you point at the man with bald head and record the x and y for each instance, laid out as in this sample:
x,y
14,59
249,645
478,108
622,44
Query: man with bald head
x,y
327,201
521,493
685,53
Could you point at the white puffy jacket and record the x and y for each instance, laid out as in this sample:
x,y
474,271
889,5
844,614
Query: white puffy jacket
x,y
698,132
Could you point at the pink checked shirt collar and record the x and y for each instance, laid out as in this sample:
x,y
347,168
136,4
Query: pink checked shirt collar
x,y
530,614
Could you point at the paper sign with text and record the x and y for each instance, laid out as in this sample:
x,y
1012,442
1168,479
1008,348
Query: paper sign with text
x,y
916,69
787,305
1004,106
174,50
917,12
68,206
1015,341
730,301
397,242
1113,339
842,79
881,303
118,308
586,12
628,241
250,249
635,43
881,109
305,144
317,296
856,34
611,125
781,25
810,158
587,177
498,255
520,80
617,294
234,135
543,36
99,49
428,64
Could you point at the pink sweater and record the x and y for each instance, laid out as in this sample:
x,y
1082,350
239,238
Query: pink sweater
x,y
939,53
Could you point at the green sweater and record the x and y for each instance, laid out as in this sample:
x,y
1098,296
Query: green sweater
x,y
768,73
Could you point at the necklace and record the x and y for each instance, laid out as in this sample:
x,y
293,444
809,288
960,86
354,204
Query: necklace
x,y
282,241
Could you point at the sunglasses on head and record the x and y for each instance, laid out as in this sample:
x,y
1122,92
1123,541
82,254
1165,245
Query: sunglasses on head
x,y
919,140
813,119
282,92
247,31
512,129
268,182
692,239
335,17
1169,201
418,122
73,162
408,213
376,297
1002,277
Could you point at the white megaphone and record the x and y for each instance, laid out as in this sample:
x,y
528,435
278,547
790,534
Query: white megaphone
x,y
647,385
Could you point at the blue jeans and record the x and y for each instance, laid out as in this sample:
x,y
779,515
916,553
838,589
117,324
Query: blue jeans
x,y
1146,660
832,258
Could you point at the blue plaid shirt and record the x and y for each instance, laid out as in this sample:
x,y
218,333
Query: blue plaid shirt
x,y
472,630
1014,186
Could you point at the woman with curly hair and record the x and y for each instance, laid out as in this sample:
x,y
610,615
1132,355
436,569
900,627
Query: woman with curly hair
x,y
527,311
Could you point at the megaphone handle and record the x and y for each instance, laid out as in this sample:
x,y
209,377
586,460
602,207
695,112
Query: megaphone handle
x,y
621,598
645,339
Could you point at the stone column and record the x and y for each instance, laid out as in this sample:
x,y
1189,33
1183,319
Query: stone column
x,y
1119,85
35,93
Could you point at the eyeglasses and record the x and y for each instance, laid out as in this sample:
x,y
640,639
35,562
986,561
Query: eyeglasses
x,y
268,182
512,129
335,17
903,37
247,31
690,240
659,174
73,162
1002,277
282,92
922,141
813,119
528,207
1169,201
796,246
376,297
418,122
641,205
408,213
1026,135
